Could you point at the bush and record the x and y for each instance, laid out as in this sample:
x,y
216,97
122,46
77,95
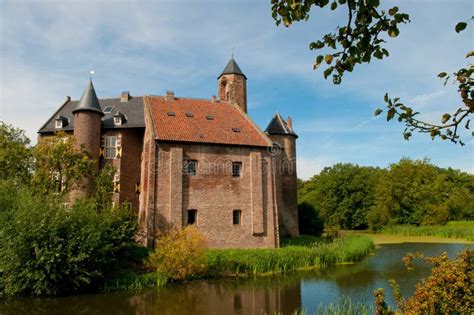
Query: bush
x,y
309,221
48,248
180,254
448,290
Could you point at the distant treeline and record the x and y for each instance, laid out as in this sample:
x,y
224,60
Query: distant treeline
x,y
349,196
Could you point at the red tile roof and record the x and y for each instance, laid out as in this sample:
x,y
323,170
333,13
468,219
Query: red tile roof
x,y
218,122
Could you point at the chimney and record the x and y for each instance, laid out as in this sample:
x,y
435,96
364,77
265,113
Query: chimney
x,y
169,95
125,96
289,122
214,99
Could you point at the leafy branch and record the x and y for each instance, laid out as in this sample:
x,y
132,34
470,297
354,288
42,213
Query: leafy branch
x,y
451,123
349,45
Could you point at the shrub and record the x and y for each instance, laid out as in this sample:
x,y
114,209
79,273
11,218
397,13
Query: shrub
x,y
47,248
448,290
180,254
310,222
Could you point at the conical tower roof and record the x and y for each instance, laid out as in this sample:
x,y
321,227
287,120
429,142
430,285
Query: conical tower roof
x,y
232,68
88,101
278,126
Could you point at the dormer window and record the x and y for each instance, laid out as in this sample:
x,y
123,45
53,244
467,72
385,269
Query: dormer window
x,y
60,122
119,119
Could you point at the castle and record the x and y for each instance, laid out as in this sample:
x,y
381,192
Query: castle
x,y
184,161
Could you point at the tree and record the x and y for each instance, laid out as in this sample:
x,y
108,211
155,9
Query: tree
x,y
59,164
360,39
16,158
343,194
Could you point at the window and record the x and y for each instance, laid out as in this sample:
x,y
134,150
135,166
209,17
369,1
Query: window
x,y
190,167
189,114
192,216
236,168
110,147
210,117
59,123
236,129
108,109
236,217
171,114
117,120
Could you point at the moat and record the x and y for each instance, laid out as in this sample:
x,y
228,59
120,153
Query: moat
x,y
271,294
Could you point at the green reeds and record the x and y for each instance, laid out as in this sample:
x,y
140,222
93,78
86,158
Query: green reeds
x,y
263,261
135,282
454,229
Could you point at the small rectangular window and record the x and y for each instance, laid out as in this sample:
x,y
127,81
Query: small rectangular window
x,y
171,114
59,123
236,217
192,216
189,114
236,129
110,149
236,168
190,167
210,117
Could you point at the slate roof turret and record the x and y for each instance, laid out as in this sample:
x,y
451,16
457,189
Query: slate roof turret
x,y
278,126
89,101
232,68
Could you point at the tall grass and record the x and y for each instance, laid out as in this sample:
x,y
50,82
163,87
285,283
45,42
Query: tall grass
x,y
135,282
222,262
454,229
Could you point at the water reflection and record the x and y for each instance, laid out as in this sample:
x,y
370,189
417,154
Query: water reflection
x,y
270,295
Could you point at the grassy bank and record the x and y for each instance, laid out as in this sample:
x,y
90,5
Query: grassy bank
x,y
311,252
454,229
227,262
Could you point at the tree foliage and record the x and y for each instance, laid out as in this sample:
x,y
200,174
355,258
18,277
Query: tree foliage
x,y
408,192
49,248
360,39
59,164
309,220
47,245
16,157
343,194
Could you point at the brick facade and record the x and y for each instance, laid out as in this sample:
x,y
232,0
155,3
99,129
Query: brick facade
x,y
214,192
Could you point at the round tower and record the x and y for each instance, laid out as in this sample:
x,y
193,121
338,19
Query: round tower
x,y
233,85
87,123
282,134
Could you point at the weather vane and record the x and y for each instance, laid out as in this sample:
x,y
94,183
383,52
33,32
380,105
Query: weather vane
x,y
232,51
92,72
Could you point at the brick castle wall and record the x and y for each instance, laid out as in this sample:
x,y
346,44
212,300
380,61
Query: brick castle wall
x,y
214,193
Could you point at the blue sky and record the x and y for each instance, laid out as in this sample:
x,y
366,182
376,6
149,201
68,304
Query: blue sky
x,y
147,47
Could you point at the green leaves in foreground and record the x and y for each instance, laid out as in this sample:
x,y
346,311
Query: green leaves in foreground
x,y
451,123
355,42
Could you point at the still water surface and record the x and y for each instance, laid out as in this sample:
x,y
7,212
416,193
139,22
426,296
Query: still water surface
x,y
273,294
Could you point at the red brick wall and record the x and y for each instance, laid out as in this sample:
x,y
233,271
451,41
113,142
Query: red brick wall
x,y
215,193
236,87
287,185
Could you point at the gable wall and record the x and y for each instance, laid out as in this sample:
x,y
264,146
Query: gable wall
x,y
215,193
